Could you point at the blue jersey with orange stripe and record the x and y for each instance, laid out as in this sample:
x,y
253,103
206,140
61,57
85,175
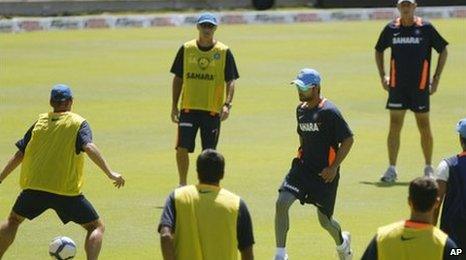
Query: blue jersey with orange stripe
x,y
321,129
411,51
454,207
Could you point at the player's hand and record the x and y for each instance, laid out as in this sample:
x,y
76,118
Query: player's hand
x,y
118,180
225,113
386,82
434,85
328,174
175,115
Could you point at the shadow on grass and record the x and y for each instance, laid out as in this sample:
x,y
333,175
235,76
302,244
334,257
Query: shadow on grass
x,y
384,184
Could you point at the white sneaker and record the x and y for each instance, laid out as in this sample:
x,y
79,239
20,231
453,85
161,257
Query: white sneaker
x,y
389,176
344,250
281,257
429,171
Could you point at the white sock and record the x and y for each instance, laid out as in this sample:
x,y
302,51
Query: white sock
x,y
281,251
428,166
392,167
343,245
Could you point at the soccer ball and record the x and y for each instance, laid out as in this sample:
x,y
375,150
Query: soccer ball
x,y
62,248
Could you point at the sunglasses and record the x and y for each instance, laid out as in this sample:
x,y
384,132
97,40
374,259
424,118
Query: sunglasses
x,y
304,88
207,25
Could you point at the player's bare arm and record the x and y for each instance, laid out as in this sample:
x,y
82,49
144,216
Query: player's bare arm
x,y
93,152
329,173
176,92
442,189
167,242
11,165
230,87
379,60
442,59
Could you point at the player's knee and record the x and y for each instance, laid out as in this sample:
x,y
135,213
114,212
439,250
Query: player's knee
x,y
281,205
95,225
324,221
424,127
396,125
180,151
14,221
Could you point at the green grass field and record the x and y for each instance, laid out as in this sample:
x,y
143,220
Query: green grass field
x,y
122,85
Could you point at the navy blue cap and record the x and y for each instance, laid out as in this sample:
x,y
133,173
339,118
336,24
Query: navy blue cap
x,y
307,78
60,92
207,18
461,127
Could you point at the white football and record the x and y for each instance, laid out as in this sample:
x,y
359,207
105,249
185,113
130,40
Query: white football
x,y
62,248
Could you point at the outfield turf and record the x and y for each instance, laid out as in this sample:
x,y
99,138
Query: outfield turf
x,y
122,85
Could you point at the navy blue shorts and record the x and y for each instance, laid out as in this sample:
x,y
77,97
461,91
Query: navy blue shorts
x,y
402,98
309,188
190,122
32,203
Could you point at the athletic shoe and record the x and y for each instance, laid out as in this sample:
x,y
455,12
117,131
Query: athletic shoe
x,y
429,171
344,250
281,257
389,176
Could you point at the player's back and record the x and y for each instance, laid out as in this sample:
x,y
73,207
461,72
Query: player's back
x,y
411,240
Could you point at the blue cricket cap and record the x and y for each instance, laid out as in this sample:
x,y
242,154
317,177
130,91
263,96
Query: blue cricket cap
x,y
207,18
461,127
306,79
60,92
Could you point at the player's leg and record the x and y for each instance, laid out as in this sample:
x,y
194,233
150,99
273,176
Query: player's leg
x,y
8,231
79,210
427,141
29,204
282,224
95,234
182,162
420,105
210,130
331,225
421,110
324,199
187,129
393,143
393,140
397,103
342,239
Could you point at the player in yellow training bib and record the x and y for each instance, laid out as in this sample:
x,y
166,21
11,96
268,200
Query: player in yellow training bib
x,y
51,153
204,77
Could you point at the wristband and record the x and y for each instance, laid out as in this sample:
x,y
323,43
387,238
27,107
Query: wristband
x,y
228,105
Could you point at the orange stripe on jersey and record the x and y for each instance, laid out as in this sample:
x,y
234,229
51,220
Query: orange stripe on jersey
x,y
392,74
425,69
300,153
331,156
416,225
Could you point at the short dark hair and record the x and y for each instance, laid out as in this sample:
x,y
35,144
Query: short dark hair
x,y
59,103
423,192
210,166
